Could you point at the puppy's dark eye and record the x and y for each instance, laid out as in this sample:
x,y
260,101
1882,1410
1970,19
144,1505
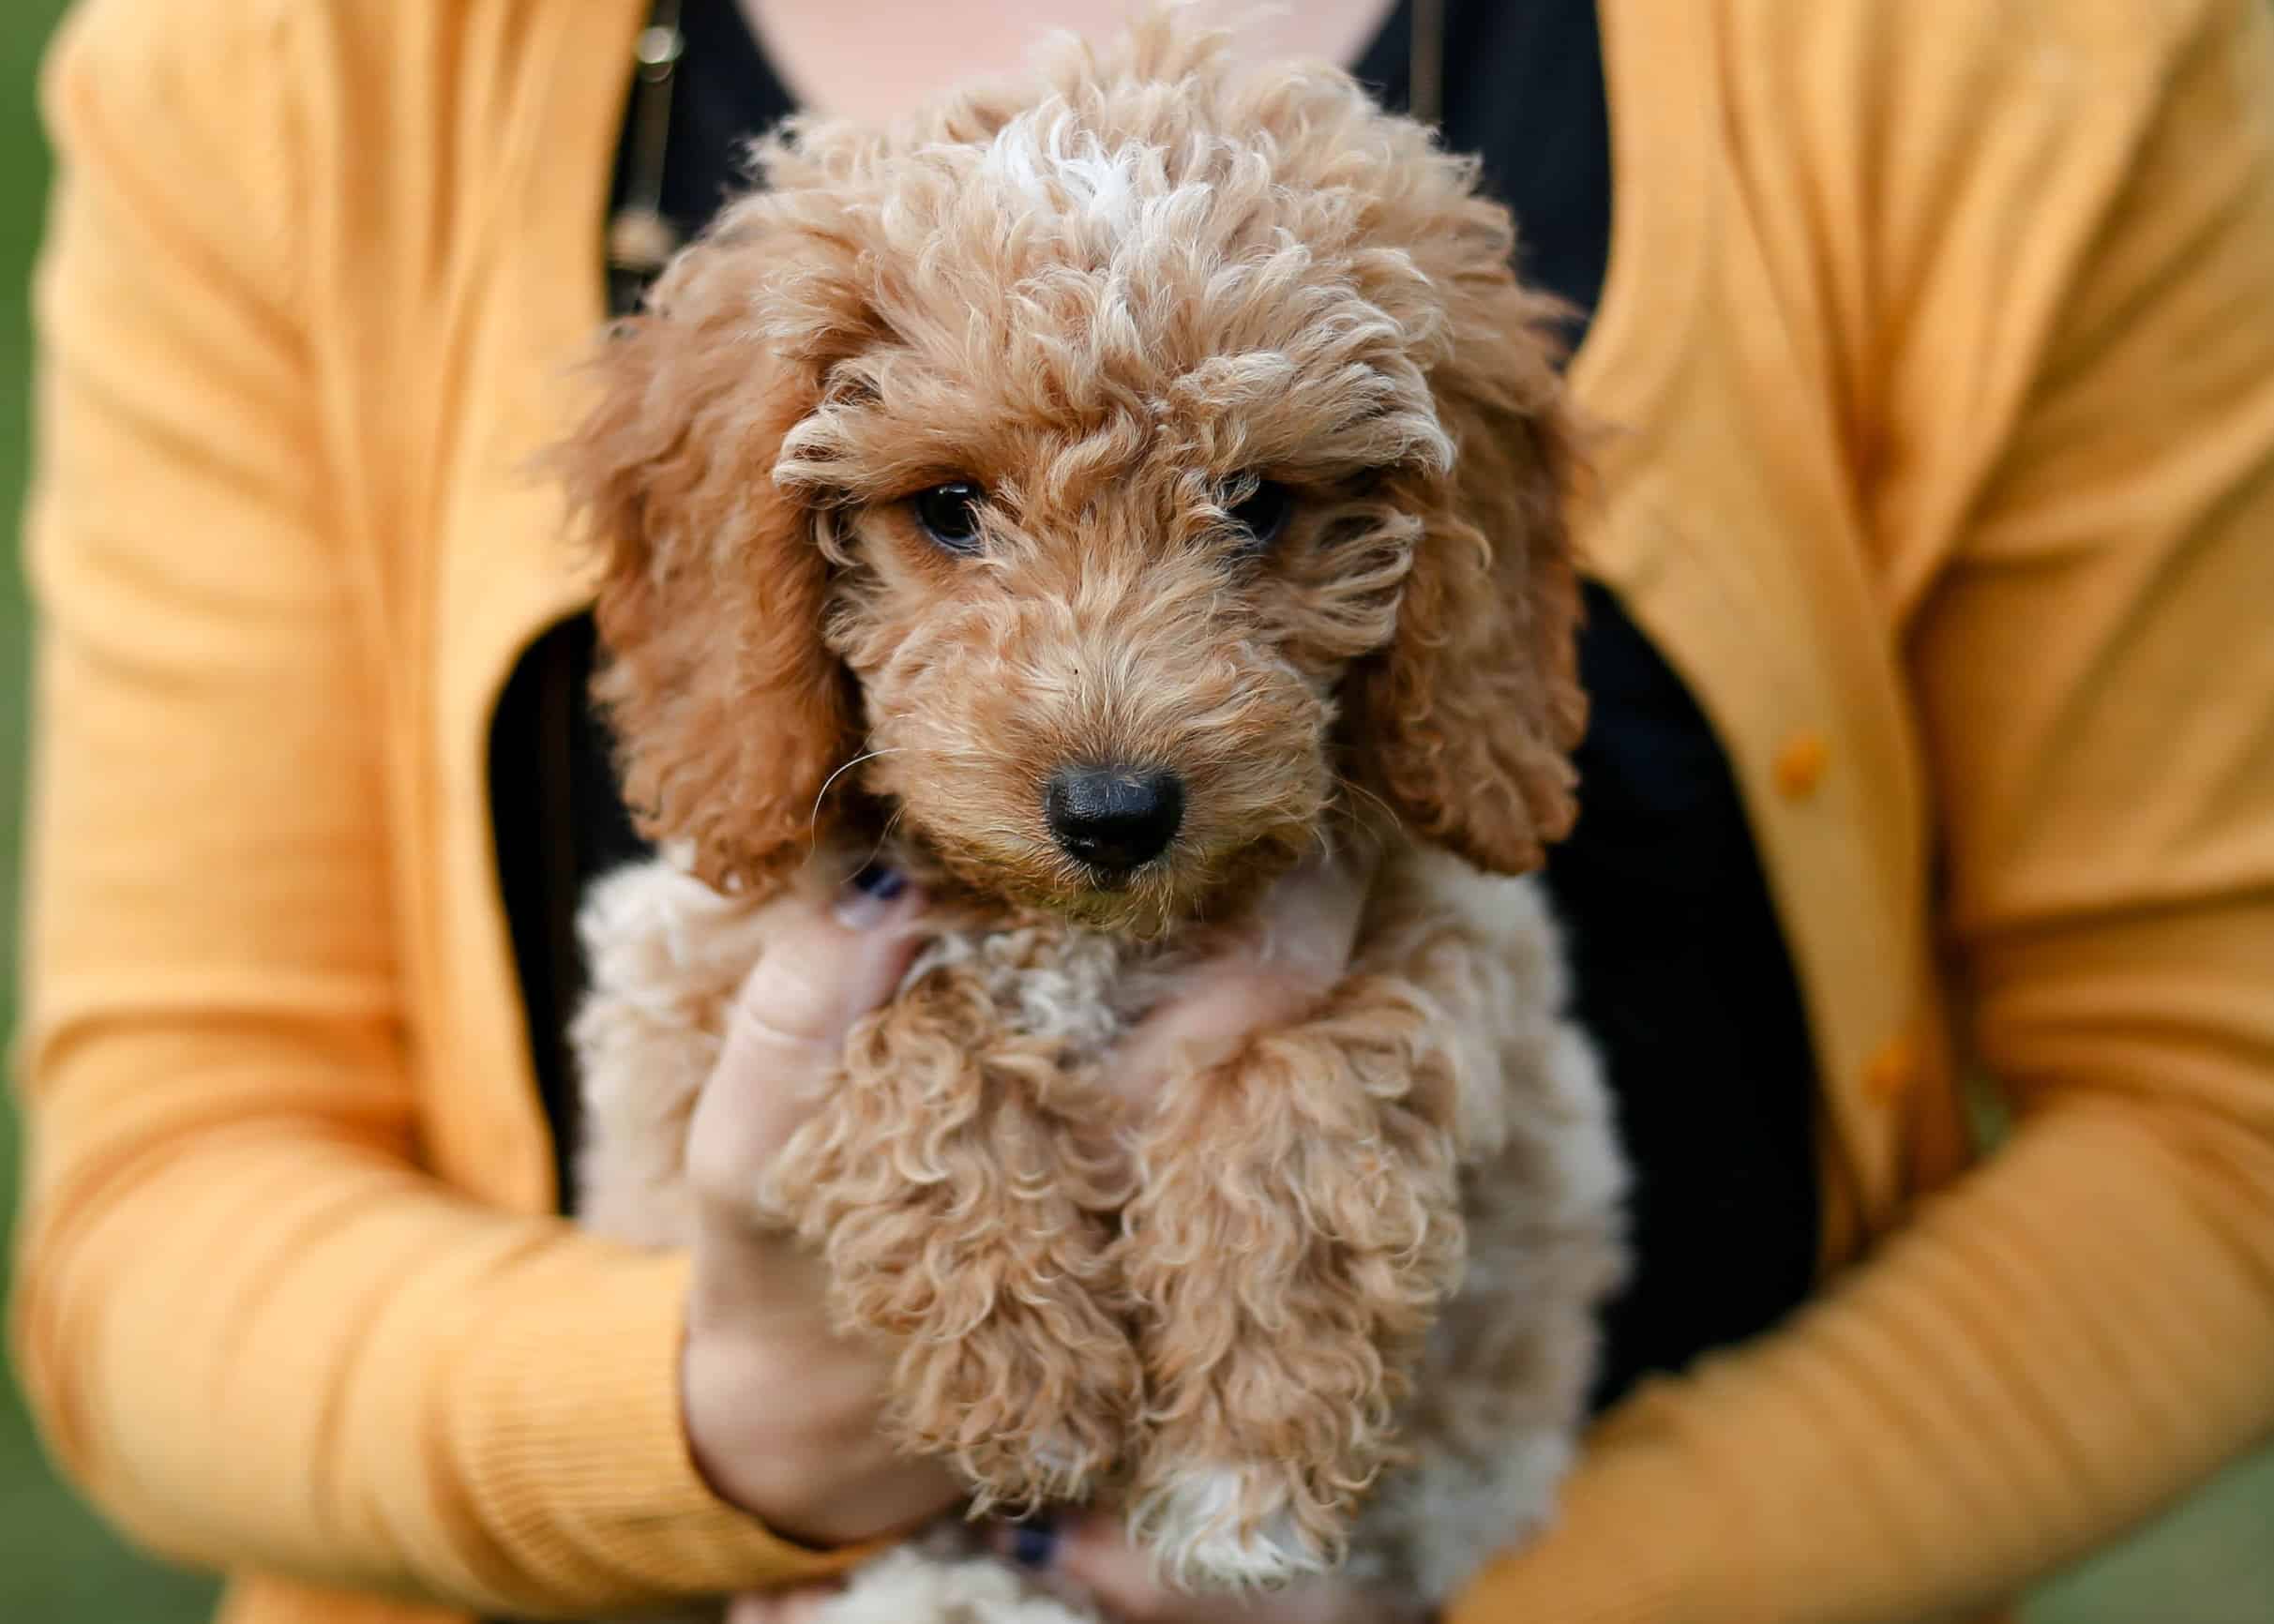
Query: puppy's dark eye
x,y
949,514
1263,514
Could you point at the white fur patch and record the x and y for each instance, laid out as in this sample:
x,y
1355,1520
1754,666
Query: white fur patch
x,y
1201,1540
1054,167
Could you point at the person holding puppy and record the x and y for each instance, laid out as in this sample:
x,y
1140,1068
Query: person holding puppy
x,y
1931,730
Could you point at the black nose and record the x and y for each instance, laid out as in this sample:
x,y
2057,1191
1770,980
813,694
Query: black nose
x,y
1113,818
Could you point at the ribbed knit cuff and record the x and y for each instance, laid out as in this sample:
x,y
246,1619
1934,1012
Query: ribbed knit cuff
x,y
566,1425
1575,1583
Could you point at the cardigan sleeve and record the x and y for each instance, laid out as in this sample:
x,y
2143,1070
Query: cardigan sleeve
x,y
2072,322
255,1333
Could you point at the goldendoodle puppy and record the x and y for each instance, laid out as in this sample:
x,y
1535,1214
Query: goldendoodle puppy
x,y
1092,496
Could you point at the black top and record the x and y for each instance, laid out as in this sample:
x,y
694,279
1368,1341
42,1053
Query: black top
x,y
1681,971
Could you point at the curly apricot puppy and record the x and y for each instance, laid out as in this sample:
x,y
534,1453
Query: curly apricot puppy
x,y
1094,496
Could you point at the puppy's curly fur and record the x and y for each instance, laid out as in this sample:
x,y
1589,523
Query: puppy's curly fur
x,y
1115,302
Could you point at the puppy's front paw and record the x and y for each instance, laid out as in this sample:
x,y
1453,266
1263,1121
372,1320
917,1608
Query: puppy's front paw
x,y
1295,1230
1031,1393
963,1216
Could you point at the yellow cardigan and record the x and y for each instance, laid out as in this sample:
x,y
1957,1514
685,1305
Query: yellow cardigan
x,y
1939,338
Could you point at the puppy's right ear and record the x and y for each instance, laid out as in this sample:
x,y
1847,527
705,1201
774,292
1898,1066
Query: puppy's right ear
x,y
730,712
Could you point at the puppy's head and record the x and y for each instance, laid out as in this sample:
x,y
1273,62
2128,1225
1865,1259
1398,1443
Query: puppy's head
x,y
1103,485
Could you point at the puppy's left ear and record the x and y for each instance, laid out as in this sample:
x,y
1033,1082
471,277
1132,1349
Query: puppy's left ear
x,y
731,712
1472,711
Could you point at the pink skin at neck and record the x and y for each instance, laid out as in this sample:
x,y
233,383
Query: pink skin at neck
x,y
870,58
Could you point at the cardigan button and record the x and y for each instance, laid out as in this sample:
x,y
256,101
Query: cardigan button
x,y
1799,765
1893,1072
657,46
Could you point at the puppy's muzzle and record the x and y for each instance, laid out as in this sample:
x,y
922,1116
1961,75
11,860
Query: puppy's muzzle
x,y
1114,818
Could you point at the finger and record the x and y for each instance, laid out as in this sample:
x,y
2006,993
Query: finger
x,y
1299,947
1092,1553
1308,921
1091,1557
1197,1028
828,962
1087,1558
1039,1546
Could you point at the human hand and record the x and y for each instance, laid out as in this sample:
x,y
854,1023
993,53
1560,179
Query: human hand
x,y
781,1412
1291,953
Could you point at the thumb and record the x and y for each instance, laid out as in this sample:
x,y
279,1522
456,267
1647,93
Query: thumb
x,y
827,962
1297,947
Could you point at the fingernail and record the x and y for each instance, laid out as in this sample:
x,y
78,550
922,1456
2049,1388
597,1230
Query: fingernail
x,y
869,896
1033,1542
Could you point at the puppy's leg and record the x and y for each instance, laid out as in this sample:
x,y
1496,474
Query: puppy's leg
x,y
1304,1219
1296,1225
959,1188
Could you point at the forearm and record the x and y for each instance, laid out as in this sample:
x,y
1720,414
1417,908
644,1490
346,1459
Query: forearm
x,y
262,1343
2084,1327
250,1319
2053,1351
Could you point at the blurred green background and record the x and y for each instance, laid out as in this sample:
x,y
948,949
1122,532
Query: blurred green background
x,y
2211,1563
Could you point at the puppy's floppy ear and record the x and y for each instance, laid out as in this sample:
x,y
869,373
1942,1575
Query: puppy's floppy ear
x,y
1471,714
731,712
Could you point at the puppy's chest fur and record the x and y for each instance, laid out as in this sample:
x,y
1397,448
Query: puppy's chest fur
x,y
667,956
1433,1146
1076,991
